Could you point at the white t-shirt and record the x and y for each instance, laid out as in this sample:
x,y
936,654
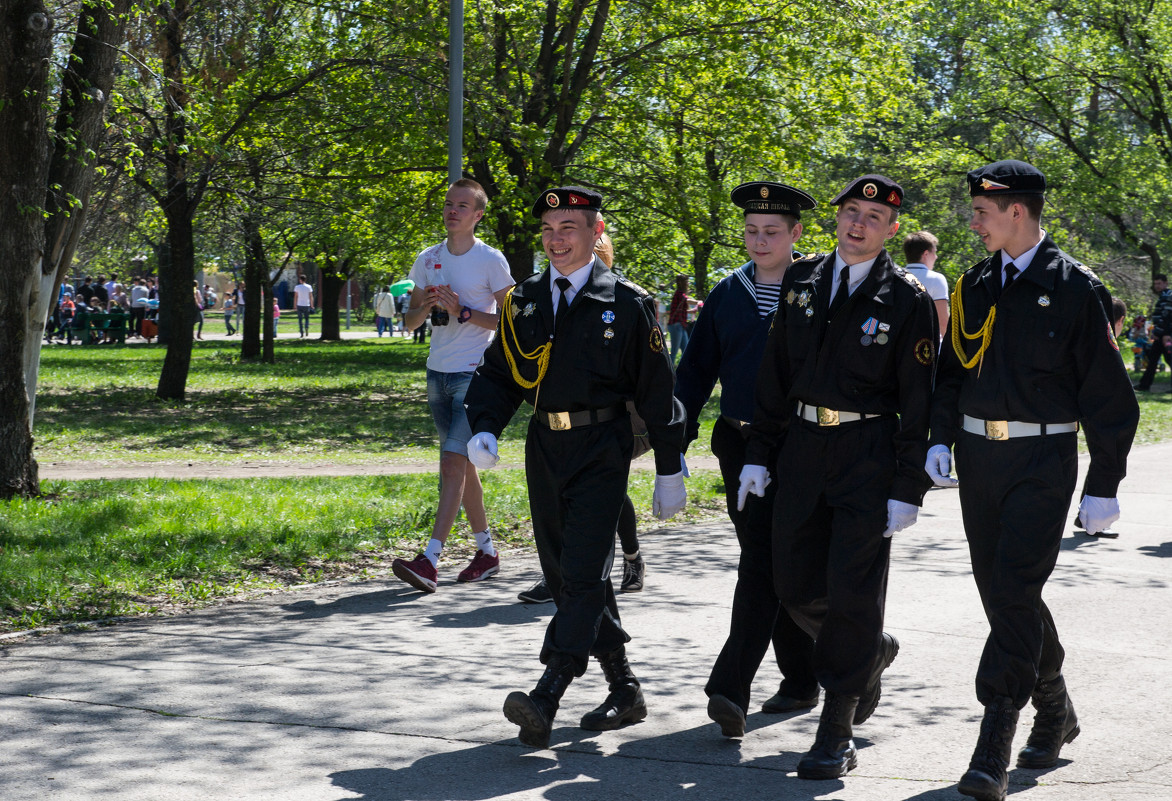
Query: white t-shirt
x,y
303,294
476,276
934,282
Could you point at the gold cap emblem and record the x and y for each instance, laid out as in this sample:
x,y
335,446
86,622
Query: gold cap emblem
x,y
552,200
765,191
870,190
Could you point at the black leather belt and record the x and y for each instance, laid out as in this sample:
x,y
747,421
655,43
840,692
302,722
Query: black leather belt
x,y
561,421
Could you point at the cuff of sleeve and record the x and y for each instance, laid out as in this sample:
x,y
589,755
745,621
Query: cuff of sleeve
x,y
909,492
1102,486
667,463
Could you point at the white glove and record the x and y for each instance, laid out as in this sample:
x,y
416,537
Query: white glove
x,y
684,467
669,497
754,479
900,515
1098,513
482,451
939,465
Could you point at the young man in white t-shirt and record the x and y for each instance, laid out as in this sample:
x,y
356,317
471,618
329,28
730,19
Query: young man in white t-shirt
x,y
303,301
920,249
461,284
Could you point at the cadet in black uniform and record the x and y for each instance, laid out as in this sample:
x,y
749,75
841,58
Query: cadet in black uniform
x,y
726,344
1031,354
577,342
843,391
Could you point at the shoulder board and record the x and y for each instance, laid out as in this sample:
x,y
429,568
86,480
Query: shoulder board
x,y
631,285
809,257
1087,271
911,279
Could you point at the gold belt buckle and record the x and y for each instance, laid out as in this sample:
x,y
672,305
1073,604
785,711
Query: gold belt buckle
x,y
827,417
996,429
558,421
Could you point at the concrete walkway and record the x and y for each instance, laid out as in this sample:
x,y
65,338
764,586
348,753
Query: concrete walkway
x,y
373,691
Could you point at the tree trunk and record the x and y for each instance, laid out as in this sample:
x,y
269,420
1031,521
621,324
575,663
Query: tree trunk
x,y
332,284
25,47
176,303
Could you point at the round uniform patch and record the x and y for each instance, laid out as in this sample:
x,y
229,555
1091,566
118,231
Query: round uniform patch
x,y
608,317
870,190
923,351
552,200
657,340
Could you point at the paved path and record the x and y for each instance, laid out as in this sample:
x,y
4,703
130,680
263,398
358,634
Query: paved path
x,y
372,691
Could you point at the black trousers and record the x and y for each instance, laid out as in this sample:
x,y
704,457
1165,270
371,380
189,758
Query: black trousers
x,y
830,558
577,484
1154,352
758,617
1014,498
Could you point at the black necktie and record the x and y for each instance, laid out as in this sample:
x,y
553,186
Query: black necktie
x,y
841,294
1010,273
563,302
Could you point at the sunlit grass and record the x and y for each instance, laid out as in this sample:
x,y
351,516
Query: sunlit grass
x,y
97,549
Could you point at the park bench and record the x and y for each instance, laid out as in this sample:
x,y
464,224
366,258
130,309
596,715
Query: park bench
x,y
94,329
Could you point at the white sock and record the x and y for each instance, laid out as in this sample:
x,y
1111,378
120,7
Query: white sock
x,y
432,551
631,557
484,542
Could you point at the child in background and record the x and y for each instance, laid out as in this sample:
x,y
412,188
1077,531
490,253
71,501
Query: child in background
x,y
1139,338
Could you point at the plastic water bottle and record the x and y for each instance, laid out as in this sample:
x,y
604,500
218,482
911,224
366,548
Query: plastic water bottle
x,y
439,315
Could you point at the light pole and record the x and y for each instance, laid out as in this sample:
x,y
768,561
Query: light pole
x,y
455,91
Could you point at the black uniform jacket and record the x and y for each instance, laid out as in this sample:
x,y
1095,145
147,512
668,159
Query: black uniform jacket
x,y
875,357
1053,359
608,350
726,343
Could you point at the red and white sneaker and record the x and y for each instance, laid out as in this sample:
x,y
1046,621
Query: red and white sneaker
x,y
481,567
420,573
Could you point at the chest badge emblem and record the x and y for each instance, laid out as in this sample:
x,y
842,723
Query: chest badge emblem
x,y
608,318
1044,301
529,309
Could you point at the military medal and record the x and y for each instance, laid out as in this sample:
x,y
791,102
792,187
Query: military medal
x,y
884,327
869,328
809,312
608,333
529,309
804,298
790,297
866,340
608,318
1044,301
881,339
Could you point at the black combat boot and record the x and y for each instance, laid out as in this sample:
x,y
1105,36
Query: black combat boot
x,y
534,711
833,754
869,700
1055,725
987,778
625,703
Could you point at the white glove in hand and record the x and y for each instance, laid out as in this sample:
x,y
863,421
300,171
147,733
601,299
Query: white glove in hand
x,y
482,451
754,479
939,465
669,497
900,515
1098,513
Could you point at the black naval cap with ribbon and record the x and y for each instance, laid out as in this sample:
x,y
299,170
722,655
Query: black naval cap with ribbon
x,y
768,197
1007,178
567,197
876,188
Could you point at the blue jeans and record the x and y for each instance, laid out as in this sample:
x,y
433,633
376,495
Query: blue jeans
x,y
303,320
679,339
384,324
445,396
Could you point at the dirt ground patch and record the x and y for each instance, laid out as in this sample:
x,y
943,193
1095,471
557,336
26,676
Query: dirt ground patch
x,y
77,471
